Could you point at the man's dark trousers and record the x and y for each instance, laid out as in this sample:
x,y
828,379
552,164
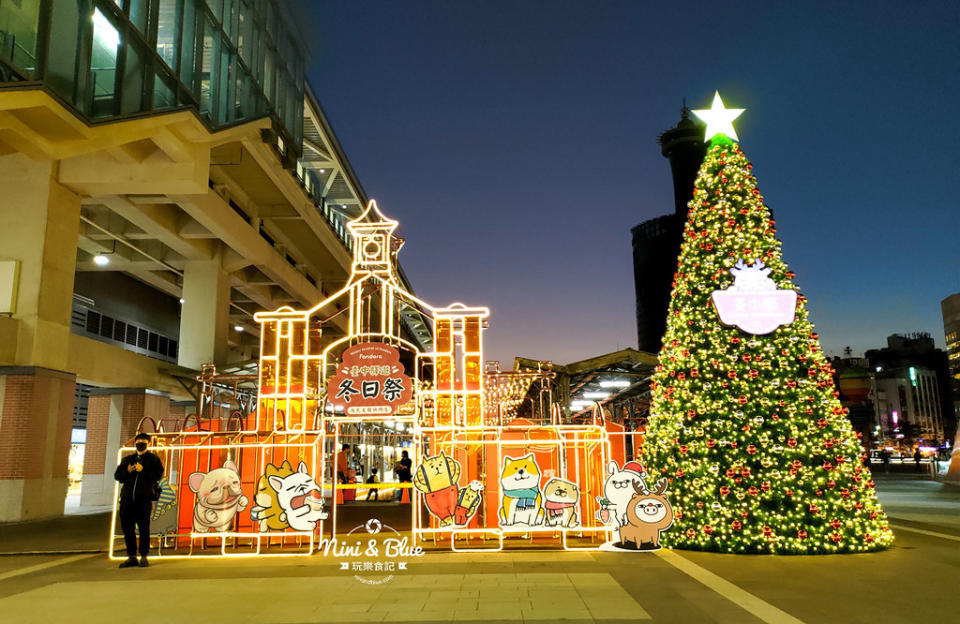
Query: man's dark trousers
x,y
135,515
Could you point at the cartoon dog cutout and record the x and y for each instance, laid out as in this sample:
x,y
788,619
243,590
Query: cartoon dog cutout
x,y
288,499
648,513
437,479
219,498
520,500
560,503
618,490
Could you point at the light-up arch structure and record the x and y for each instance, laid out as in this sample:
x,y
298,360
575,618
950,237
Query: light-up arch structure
x,y
456,408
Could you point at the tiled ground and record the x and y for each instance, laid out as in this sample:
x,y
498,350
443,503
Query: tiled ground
x,y
505,587
910,582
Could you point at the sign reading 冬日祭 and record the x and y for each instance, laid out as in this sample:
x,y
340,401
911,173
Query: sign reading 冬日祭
x,y
370,380
754,303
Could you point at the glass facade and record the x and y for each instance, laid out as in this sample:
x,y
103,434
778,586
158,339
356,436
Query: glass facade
x,y
230,60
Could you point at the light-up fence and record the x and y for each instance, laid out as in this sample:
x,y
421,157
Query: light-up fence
x,y
491,461
234,492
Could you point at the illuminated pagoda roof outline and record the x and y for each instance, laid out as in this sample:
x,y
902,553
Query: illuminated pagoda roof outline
x,y
372,296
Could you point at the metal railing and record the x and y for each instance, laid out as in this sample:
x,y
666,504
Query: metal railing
x,y
16,54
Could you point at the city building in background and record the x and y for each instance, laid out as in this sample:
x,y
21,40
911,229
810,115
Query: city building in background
x,y
656,242
950,309
166,172
912,385
907,405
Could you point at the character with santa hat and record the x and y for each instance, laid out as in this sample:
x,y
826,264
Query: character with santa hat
x,y
618,490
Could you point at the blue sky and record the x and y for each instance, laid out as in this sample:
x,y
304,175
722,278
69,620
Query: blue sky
x,y
516,145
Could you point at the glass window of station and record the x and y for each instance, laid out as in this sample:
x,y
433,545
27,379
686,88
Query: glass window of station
x,y
230,60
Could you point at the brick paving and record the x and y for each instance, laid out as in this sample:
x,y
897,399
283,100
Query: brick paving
x,y
541,586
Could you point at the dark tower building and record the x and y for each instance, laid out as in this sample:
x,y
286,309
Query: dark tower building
x,y
656,243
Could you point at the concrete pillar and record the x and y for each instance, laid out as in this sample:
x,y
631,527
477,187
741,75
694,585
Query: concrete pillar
x,y
113,415
39,226
36,416
204,314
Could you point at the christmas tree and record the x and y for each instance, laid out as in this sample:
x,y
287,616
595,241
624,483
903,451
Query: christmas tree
x,y
745,421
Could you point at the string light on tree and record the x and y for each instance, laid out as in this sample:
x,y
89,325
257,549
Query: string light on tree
x,y
747,427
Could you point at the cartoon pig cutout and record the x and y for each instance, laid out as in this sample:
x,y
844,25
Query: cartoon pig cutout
x,y
219,498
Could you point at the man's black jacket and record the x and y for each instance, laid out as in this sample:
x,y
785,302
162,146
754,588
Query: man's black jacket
x,y
138,486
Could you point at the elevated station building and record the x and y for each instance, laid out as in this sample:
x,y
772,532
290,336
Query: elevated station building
x,y
165,173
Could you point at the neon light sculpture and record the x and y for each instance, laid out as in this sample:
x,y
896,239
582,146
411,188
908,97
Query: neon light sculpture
x,y
443,398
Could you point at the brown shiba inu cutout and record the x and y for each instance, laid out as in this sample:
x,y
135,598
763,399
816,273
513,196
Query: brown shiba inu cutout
x,y
561,503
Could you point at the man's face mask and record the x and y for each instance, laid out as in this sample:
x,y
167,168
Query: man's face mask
x,y
141,446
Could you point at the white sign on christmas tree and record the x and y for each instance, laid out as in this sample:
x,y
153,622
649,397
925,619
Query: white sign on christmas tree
x,y
754,303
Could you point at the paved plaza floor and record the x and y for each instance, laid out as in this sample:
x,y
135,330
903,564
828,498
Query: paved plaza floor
x,y
912,582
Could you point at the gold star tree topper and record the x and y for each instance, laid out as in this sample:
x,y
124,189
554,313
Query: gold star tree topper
x,y
719,119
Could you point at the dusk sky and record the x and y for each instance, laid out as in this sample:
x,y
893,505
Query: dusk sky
x,y
516,144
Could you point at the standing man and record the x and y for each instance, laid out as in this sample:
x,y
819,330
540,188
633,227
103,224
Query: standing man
x,y
374,492
139,473
342,463
404,472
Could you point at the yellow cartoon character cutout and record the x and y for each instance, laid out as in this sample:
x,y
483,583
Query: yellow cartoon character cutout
x,y
438,479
